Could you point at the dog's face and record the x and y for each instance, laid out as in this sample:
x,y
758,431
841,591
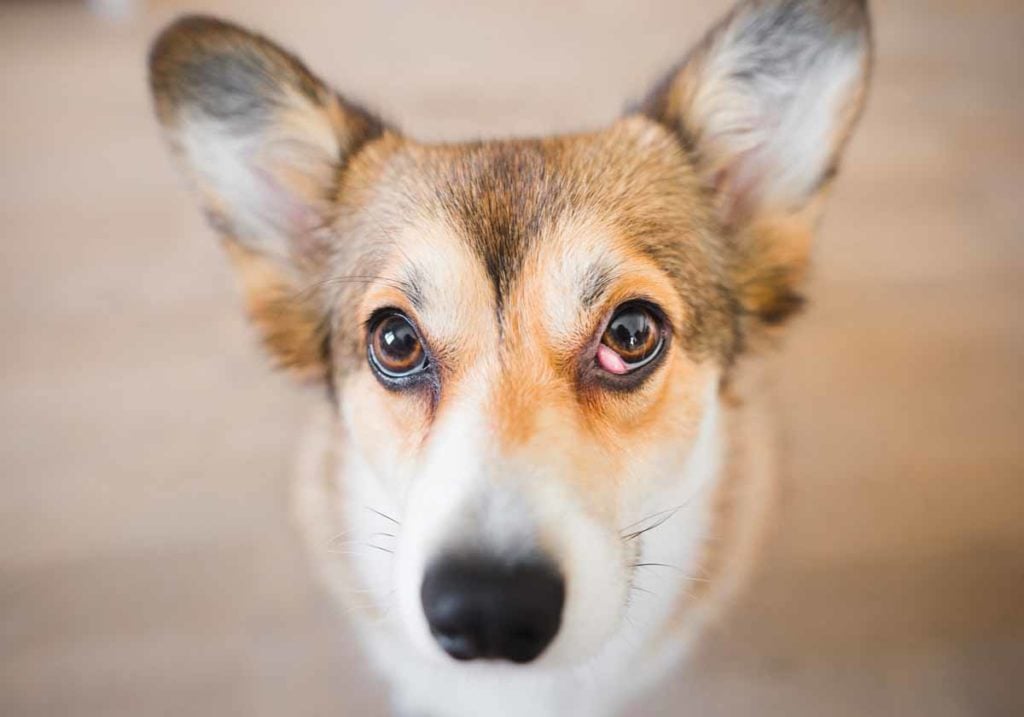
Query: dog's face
x,y
545,325
524,339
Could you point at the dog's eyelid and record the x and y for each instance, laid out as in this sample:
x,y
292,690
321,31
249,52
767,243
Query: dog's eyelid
x,y
375,314
605,311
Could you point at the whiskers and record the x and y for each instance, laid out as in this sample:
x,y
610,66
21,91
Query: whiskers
x,y
683,575
367,279
343,544
365,580
383,515
644,525
641,565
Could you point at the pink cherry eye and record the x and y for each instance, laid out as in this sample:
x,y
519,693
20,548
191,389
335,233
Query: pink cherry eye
x,y
610,361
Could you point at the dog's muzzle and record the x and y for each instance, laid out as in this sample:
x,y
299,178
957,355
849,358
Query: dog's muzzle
x,y
480,608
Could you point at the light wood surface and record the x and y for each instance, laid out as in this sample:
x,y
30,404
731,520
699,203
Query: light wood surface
x,y
146,562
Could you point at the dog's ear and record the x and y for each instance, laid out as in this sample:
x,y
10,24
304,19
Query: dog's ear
x,y
264,141
764,106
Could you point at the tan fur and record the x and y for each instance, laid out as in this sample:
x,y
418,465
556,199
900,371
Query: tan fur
x,y
292,330
509,258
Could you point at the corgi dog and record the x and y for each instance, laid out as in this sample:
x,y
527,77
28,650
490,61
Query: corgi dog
x,y
542,466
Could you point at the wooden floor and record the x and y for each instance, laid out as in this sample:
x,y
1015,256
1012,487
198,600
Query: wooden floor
x,y
146,562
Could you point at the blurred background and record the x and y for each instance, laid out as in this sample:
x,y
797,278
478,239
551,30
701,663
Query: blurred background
x,y
147,564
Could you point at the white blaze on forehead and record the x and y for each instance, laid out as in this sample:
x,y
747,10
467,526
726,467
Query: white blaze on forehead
x,y
565,263
458,299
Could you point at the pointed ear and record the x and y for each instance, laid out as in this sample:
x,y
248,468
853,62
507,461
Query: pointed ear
x,y
264,142
764,106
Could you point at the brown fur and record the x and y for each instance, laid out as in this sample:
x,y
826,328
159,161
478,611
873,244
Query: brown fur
x,y
440,230
292,330
510,256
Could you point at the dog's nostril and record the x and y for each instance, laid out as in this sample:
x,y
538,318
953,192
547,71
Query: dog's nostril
x,y
461,646
482,609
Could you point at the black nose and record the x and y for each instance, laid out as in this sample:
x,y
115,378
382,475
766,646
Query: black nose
x,y
484,609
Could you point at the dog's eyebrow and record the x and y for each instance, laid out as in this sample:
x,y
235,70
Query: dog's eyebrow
x,y
411,284
595,282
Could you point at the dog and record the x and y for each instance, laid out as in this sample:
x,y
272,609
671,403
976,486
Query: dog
x,y
542,466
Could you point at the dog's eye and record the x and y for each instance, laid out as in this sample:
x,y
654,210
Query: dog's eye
x,y
395,347
633,338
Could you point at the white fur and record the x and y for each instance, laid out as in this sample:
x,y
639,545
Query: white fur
x,y
774,131
247,173
629,657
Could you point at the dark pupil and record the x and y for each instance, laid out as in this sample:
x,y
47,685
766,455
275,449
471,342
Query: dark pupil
x,y
398,340
631,331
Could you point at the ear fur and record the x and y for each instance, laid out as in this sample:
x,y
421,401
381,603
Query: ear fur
x,y
764,107
264,141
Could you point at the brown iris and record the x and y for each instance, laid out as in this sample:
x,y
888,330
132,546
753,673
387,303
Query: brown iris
x,y
634,334
395,347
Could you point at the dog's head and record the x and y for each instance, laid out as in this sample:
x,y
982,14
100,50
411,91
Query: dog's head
x,y
524,339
